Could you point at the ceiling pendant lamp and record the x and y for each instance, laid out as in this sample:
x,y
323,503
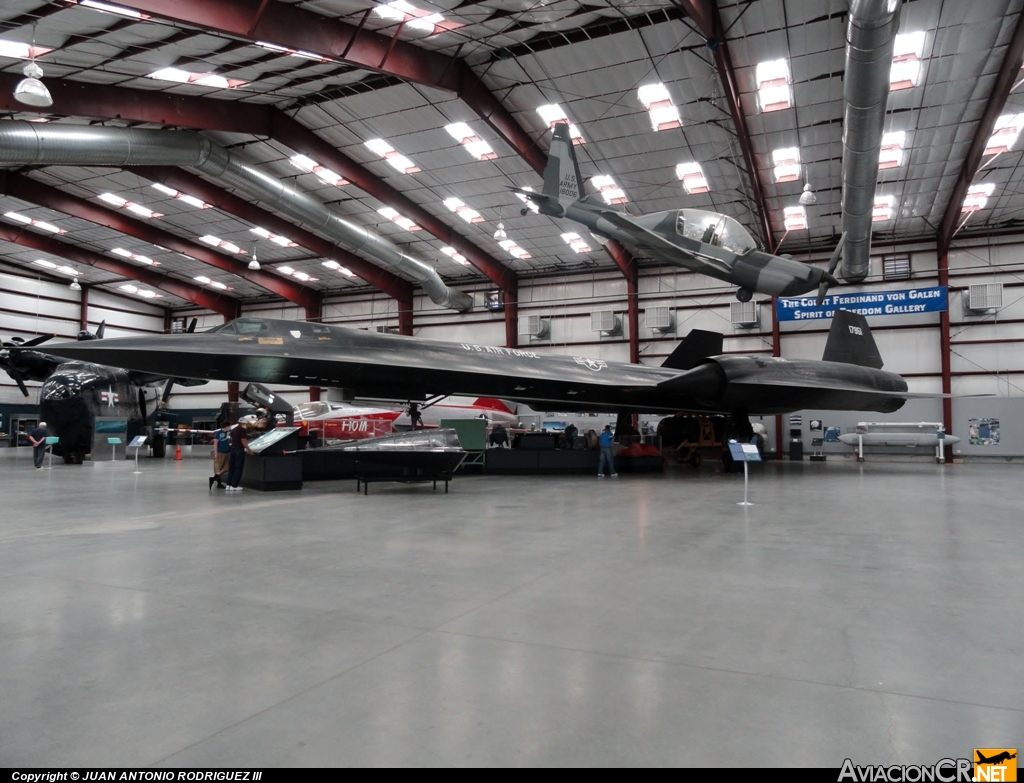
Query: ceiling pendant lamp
x,y
30,90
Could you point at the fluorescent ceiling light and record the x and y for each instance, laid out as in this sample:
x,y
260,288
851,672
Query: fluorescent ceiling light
x,y
882,209
40,224
17,50
277,239
187,77
455,255
64,270
392,156
339,268
655,98
287,270
212,283
906,61
610,192
1005,133
476,146
324,174
787,164
795,218
513,249
131,206
222,244
773,85
553,114
392,215
109,8
576,242
459,207
192,201
977,197
415,18
891,154
120,251
692,177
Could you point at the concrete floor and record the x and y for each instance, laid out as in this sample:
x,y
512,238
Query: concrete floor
x,y
870,612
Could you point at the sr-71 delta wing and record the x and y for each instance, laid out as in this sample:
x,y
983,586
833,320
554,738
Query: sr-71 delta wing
x,y
707,242
695,377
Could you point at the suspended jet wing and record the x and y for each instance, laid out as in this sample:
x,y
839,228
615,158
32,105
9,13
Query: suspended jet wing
x,y
367,364
707,242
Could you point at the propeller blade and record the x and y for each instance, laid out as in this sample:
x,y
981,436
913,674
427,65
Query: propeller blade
x,y
36,341
192,326
834,261
167,391
822,290
16,377
103,327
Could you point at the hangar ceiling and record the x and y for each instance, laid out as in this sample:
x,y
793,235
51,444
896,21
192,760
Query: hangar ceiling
x,y
320,79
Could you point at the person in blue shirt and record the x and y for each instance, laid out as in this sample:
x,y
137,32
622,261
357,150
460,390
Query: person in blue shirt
x,y
606,462
221,454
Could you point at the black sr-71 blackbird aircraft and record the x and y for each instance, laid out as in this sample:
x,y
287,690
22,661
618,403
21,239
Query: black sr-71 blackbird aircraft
x,y
708,242
75,393
695,377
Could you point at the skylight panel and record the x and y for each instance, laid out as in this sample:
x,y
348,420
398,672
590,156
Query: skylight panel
x,y
891,154
339,268
324,174
513,249
187,77
553,114
458,206
906,61
415,18
529,204
64,270
131,206
143,292
222,244
795,218
692,177
576,242
109,8
977,197
774,92
476,146
120,251
277,239
787,164
392,214
882,209
17,50
392,156
305,278
40,224
664,114
1005,133
192,201
455,255
610,192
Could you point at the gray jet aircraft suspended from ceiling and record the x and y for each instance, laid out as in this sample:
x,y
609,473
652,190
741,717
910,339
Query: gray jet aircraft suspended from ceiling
x,y
695,377
708,242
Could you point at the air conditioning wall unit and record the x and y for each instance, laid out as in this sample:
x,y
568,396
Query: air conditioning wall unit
x,y
386,329
534,326
745,314
605,321
983,297
660,317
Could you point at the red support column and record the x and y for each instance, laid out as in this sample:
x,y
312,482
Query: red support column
x,y
405,315
233,400
313,313
777,351
512,318
314,394
633,315
944,350
83,309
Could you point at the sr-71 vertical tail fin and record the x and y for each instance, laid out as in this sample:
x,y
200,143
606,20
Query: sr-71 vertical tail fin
x,y
850,341
695,347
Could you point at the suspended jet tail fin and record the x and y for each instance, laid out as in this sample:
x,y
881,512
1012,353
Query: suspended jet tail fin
x,y
695,347
562,180
850,341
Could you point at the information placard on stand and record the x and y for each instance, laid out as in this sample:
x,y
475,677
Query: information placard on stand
x,y
137,443
745,453
50,441
114,443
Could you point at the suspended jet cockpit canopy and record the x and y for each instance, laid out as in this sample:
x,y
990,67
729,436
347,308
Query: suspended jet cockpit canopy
x,y
712,228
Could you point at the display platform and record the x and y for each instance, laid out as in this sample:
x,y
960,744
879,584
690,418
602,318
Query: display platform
x,y
272,473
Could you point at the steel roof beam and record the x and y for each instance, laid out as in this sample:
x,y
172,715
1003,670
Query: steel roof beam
x,y
996,103
46,196
295,28
226,306
704,14
181,180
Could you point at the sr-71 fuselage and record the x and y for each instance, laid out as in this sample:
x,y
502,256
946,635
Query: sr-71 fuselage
x,y
366,364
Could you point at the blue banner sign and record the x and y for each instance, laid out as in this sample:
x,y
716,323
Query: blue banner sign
x,y
910,301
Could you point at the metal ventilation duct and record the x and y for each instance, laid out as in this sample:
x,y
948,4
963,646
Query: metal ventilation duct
x,y
870,36
30,143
